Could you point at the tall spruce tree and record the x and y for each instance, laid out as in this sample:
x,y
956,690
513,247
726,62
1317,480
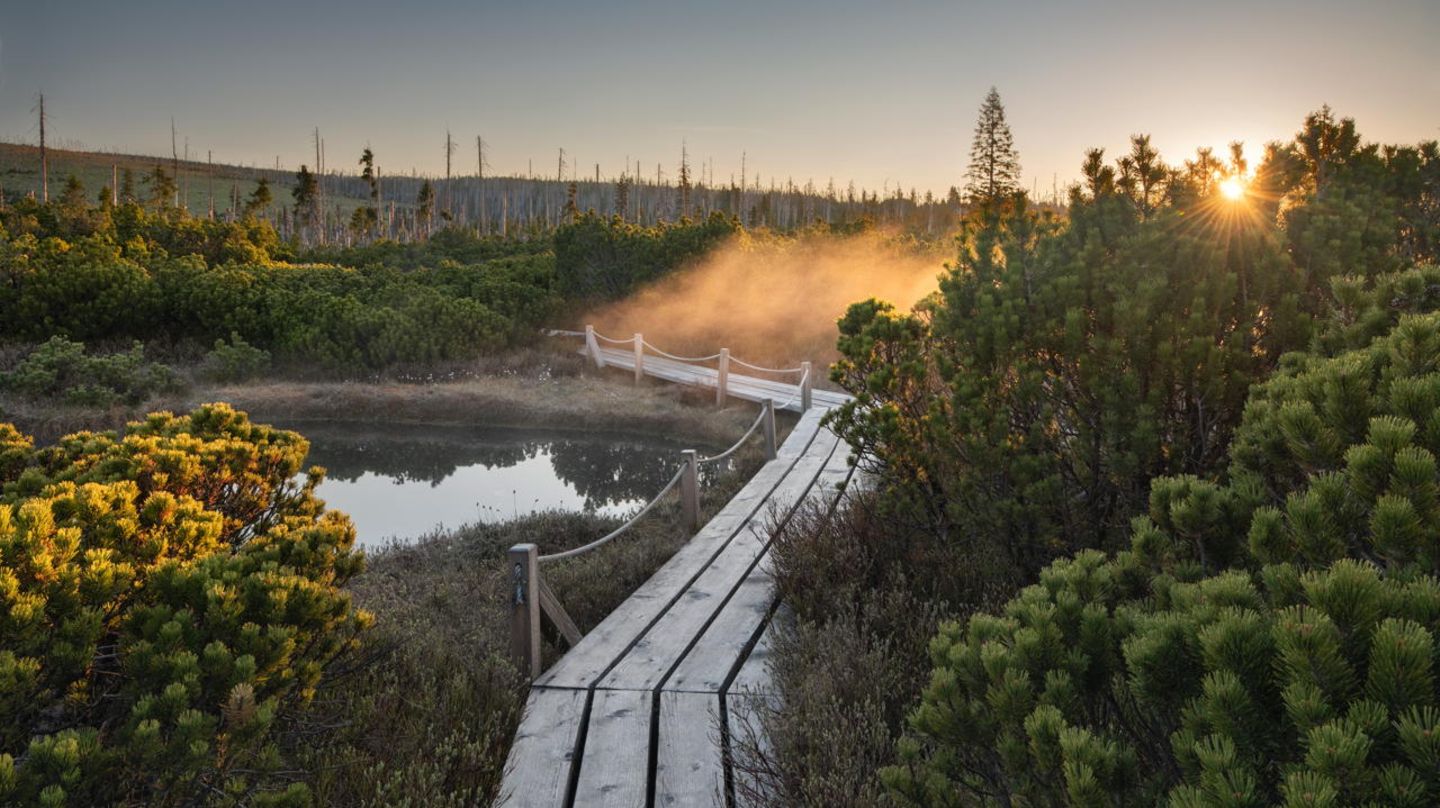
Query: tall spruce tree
x,y
994,171
260,198
425,207
307,196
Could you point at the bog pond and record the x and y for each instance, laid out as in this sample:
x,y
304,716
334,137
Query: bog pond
x,y
401,482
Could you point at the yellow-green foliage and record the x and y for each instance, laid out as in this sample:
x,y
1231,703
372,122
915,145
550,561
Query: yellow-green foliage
x,y
166,595
125,273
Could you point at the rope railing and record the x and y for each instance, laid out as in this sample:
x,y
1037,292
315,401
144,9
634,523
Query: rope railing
x,y
531,595
559,332
802,391
659,352
763,369
603,540
766,410
639,344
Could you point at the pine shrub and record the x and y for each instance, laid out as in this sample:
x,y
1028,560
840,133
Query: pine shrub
x,y
166,596
1302,675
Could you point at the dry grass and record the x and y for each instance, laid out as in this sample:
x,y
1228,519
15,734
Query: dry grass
x,y
534,388
864,592
580,403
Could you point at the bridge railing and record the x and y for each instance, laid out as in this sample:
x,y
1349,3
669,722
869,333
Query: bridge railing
x,y
804,372
531,596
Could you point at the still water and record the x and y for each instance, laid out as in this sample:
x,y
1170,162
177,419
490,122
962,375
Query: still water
x,y
400,482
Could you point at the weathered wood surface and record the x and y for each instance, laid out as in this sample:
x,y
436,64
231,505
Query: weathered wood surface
x,y
644,696
538,771
745,387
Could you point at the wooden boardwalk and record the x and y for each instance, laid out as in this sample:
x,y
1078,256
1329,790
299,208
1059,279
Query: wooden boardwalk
x,y
641,711
746,387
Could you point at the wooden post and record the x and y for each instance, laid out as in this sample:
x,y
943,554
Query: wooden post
x,y
592,347
525,608
690,491
806,383
767,426
722,380
639,358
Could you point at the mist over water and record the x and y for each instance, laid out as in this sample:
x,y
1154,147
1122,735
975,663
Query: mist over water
x,y
773,301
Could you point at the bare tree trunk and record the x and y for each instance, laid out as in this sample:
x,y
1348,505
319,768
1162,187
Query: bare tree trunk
x,y
174,161
44,158
480,150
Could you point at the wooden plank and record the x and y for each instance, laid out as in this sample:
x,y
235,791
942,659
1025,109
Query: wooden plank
x,y
537,772
660,647
597,649
616,768
689,763
721,647
754,676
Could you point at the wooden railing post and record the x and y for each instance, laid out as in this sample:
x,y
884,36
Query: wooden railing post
x,y
525,608
722,381
767,426
690,491
807,382
592,347
639,358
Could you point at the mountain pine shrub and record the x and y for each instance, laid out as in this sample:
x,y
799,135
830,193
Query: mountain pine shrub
x,y
1303,675
167,595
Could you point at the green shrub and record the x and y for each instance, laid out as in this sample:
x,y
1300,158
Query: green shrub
x,y
173,278
167,595
1304,677
596,257
235,361
60,370
1060,367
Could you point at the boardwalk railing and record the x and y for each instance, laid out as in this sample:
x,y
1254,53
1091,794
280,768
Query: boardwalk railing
x,y
531,596
803,373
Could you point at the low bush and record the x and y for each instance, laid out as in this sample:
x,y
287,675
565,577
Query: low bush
x,y
1304,675
863,589
234,361
61,370
168,597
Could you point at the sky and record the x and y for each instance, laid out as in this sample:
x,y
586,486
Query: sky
x,y
879,93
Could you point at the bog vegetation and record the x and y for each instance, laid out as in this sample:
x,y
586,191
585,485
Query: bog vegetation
x,y
1159,479
1154,522
156,274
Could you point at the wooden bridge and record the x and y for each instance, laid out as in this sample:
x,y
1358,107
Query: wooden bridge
x,y
642,711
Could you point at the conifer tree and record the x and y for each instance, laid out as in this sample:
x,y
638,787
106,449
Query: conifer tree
x,y
127,186
306,194
994,171
425,206
260,198
367,218
162,188
159,627
1305,676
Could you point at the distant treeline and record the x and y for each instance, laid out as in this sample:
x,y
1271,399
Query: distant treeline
x,y
507,206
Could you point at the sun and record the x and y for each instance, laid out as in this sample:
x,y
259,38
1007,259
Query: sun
x,y
1232,188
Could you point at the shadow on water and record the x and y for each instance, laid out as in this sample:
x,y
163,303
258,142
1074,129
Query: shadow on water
x,y
403,481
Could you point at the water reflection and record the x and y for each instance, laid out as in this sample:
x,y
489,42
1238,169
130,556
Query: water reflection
x,y
402,481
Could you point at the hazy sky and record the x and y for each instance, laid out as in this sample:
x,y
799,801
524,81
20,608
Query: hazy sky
x,y
876,92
